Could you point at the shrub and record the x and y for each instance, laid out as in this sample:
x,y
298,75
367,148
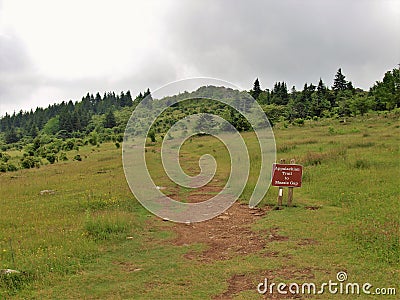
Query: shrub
x,y
120,138
15,281
4,157
69,145
30,162
93,138
12,168
78,157
152,136
299,122
63,156
3,167
51,157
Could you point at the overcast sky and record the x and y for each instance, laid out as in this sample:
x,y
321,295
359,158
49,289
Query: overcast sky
x,y
52,51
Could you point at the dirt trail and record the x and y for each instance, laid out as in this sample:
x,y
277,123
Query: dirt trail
x,y
230,235
226,236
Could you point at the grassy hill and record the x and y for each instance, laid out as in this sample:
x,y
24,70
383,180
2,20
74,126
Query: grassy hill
x,y
74,230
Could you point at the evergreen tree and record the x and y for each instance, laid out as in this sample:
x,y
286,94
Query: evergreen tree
x,y
110,121
11,136
256,91
121,99
148,99
387,91
66,121
279,94
264,97
319,100
128,99
33,132
147,93
340,83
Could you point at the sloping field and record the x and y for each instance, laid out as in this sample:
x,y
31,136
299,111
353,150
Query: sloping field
x,y
90,238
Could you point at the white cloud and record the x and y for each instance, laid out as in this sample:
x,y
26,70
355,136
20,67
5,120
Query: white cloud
x,y
60,50
69,39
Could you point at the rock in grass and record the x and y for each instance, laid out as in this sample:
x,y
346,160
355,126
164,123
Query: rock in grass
x,y
9,271
47,192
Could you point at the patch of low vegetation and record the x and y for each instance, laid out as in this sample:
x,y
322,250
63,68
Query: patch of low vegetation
x,y
361,164
14,281
317,158
285,148
105,226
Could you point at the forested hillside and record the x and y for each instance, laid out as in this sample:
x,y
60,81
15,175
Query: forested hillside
x,y
48,132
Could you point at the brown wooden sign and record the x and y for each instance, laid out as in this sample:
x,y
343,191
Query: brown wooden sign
x,y
287,175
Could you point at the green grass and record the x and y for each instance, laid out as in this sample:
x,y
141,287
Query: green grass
x,y
92,239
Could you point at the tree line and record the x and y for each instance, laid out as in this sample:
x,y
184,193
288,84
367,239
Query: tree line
x,y
342,99
66,119
110,111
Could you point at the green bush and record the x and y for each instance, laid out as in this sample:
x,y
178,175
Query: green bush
x,y
63,156
51,157
11,168
69,145
15,281
3,167
30,162
4,157
78,157
93,138
120,138
299,122
152,136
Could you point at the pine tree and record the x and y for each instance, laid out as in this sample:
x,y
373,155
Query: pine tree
x,y
11,136
279,94
128,99
110,121
319,101
340,83
387,91
256,91
66,121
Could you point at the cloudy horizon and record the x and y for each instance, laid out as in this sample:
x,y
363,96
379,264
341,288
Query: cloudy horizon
x,y
59,51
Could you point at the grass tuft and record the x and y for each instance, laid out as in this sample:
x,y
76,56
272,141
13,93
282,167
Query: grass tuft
x,y
361,164
106,227
317,158
15,282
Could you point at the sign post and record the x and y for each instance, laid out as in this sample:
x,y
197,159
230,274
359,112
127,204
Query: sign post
x,y
290,189
286,175
280,190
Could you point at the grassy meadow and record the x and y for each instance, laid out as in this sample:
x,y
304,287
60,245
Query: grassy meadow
x,y
91,239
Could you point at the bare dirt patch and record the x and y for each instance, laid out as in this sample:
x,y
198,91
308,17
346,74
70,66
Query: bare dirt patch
x,y
230,235
225,236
